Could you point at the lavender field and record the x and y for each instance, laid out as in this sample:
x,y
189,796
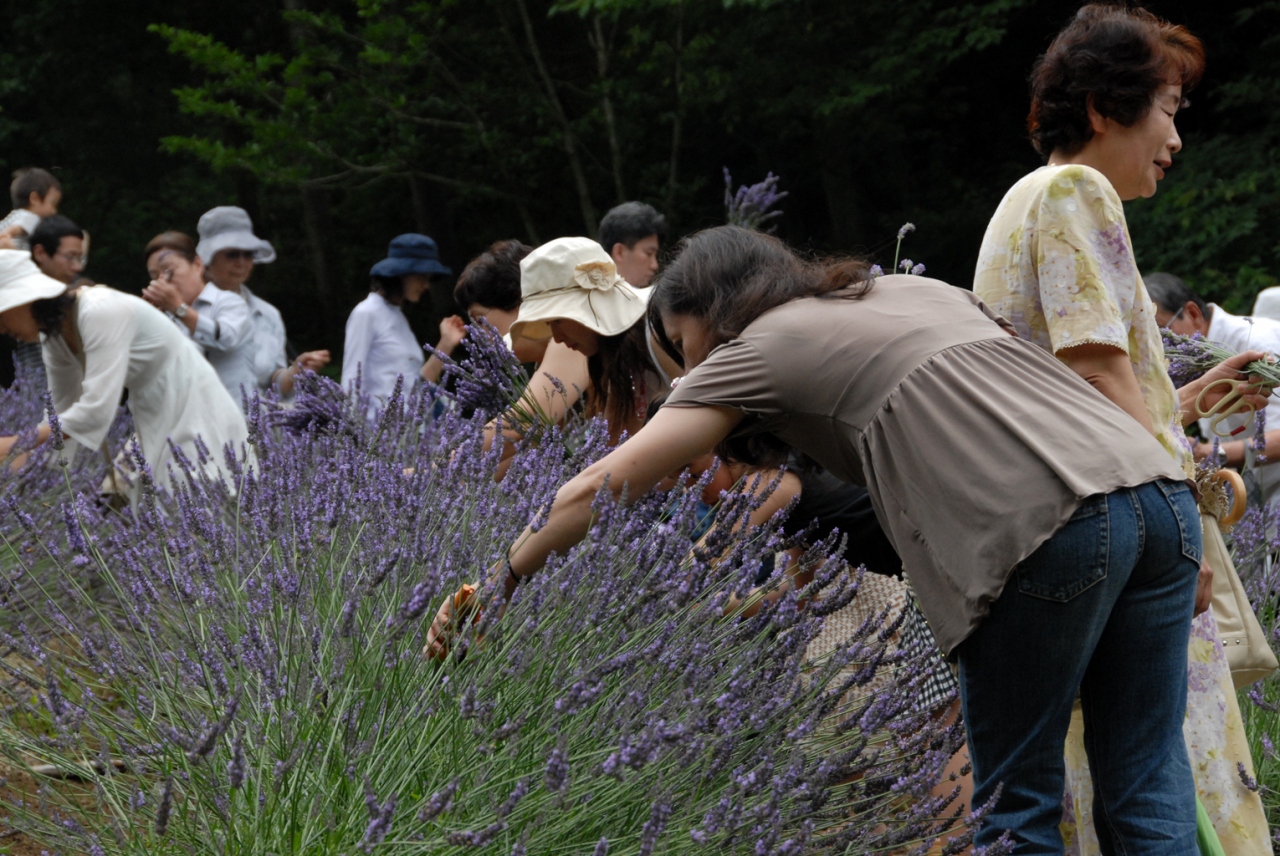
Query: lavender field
x,y
237,668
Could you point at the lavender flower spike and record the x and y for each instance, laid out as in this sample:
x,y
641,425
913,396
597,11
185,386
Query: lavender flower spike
x,y
907,229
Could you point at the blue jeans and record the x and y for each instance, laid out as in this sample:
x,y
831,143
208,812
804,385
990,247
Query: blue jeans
x,y
1103,607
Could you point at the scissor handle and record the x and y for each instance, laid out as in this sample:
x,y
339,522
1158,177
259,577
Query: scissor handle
x,y
465,606
1239,499
1229,405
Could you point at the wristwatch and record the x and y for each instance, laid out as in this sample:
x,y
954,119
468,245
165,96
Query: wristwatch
x,y
181,311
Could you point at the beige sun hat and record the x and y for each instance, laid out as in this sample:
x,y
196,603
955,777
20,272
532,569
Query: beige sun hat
x,y
574,279
22,282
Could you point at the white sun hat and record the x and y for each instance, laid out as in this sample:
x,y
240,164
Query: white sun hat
x,y
574,279
229,228
22,282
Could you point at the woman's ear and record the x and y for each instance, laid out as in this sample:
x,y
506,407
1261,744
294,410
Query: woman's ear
x,y
1098,122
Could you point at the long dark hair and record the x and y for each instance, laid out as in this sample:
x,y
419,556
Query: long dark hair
x,y
50,312
390,287
617,371
729,276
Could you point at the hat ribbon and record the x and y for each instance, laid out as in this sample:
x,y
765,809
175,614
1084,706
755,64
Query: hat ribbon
x,y
590,289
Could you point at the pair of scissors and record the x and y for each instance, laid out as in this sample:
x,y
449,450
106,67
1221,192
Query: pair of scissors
x,y
1232,403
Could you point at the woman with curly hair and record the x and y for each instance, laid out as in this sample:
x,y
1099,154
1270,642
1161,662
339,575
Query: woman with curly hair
x,y
992,468
1057,261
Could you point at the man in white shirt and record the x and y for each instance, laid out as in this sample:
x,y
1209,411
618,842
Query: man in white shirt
x,y
632,233
1185,312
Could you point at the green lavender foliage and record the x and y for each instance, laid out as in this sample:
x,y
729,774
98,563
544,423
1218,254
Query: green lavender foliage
x,y
241,673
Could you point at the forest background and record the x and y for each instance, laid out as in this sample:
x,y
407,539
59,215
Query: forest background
x,y
341,123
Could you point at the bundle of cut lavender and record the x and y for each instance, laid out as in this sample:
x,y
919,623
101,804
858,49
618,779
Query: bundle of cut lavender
x,y
1189,357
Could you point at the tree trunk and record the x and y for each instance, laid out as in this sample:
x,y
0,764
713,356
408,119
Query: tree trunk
x,y
567,136
677,120
602,49
431,217
317,216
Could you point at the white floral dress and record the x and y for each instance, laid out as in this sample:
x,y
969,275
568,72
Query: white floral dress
x,y
1057,262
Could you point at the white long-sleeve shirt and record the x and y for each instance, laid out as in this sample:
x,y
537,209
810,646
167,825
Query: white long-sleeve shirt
x,y
223,332
380,346
174,394
266,338
1241,333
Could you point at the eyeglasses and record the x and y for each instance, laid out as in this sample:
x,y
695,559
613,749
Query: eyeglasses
x,y
72,257
237,255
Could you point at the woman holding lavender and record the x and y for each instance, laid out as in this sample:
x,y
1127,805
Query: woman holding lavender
x,y
992,468
571,293
1058,262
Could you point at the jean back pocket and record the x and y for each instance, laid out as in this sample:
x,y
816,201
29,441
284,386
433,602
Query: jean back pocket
x,y
1073,559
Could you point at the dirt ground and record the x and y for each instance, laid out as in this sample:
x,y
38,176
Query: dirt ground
x,y
13,843
20,785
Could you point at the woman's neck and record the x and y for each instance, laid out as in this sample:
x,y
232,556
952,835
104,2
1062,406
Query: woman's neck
x,y
1089,155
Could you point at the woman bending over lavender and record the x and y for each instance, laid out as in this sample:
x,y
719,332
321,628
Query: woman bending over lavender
x,y
97,343
992,468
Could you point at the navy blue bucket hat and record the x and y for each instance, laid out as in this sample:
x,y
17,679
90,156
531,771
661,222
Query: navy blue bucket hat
x,y
411,253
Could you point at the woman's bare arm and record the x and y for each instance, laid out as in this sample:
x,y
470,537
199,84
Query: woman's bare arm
x,y
543,397
1109,371
675,436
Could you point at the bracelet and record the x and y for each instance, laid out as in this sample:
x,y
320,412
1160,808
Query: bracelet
x,y
511,572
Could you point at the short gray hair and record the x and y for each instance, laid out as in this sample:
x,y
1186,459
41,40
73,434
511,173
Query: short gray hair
x,y
1170,293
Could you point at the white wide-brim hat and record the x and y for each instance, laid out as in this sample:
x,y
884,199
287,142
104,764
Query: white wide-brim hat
x,y
22,282
229,228
574,279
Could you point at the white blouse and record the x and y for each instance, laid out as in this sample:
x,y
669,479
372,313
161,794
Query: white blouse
x,y
381,347
266,343
174,394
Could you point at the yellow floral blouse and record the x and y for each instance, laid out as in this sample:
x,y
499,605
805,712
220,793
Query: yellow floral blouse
x,y
1057,262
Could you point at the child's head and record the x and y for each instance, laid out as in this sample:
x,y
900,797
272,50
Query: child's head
x,y
36,190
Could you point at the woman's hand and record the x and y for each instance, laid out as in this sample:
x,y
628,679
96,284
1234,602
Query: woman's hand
x,y
443,628
452,331
499,582
312,361
1204,588
1229,369
163,295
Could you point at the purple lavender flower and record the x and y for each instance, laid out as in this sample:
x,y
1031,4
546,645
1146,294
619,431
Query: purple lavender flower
x,y
750,206
556,775
379,823
440,802
165,808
